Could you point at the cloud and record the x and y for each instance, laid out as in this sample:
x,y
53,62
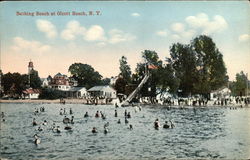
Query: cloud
x,y
73,29
162,33
47,27
135,15
117,36
21,44
178,27
201,21
176,36
194,25
95,33
244,37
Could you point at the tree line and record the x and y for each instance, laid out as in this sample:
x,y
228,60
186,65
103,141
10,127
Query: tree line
x,y
194,68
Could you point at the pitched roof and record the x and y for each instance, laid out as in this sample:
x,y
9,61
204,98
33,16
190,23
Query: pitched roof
x,y
31,91
76,89
101,88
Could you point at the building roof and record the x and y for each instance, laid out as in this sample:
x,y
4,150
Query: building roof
x,y
31,91
101,88
221,89
73,89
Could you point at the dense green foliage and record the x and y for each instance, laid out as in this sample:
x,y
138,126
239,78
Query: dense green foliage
x,y
239,86
85,75
14,83
125,70
35,81
48,93
199,66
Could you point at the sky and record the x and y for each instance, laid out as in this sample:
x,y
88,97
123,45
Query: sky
x,y
53,38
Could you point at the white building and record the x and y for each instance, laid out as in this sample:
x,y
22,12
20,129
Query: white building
x,y
31,93
77,92
102,91
223,92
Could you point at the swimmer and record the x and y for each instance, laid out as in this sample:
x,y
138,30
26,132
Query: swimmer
x,y
97,114
119,121
86,115
131,127
166,125
94,130
34,122
157,124
37,139
116,113
126,120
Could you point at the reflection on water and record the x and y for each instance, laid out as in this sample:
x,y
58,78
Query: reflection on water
x,y
199,133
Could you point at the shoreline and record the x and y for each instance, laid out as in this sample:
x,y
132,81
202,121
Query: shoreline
x,y
47,101
84,101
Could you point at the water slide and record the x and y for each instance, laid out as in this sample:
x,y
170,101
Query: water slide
x,y
133,94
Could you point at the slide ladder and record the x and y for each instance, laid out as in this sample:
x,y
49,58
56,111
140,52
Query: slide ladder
x,y
133,94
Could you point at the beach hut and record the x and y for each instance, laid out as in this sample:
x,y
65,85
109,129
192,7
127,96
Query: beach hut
x,y
102,92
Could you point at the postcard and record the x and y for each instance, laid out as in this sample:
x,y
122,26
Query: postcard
x,y
125,80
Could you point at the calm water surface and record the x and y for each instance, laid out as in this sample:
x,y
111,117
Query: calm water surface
x,y
207,132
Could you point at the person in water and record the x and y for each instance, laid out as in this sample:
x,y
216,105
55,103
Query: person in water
x,y
70,111
72,120
128,115
66,120
94,130
119,121
86,114
157,124
105,130
57,130
166,125
45,122
97,114
172,124
131,127
37,139
126,120
34,122
116,115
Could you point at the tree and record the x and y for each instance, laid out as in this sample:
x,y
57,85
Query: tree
x,y
240,85
35,81
14,83
183,62
120,85
105,81
125,69
48,93
85,75
167,80
150,58
211,68
199,66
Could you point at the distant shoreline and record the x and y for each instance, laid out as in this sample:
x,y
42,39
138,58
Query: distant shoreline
x,y
46,101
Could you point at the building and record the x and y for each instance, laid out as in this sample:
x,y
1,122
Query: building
x,y
60,82
77,92
31,93
223,92
102,91
46,81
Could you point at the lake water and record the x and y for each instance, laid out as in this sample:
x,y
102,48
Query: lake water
x,y
207,132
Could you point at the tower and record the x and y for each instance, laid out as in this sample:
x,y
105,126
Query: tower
x,y
30,67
